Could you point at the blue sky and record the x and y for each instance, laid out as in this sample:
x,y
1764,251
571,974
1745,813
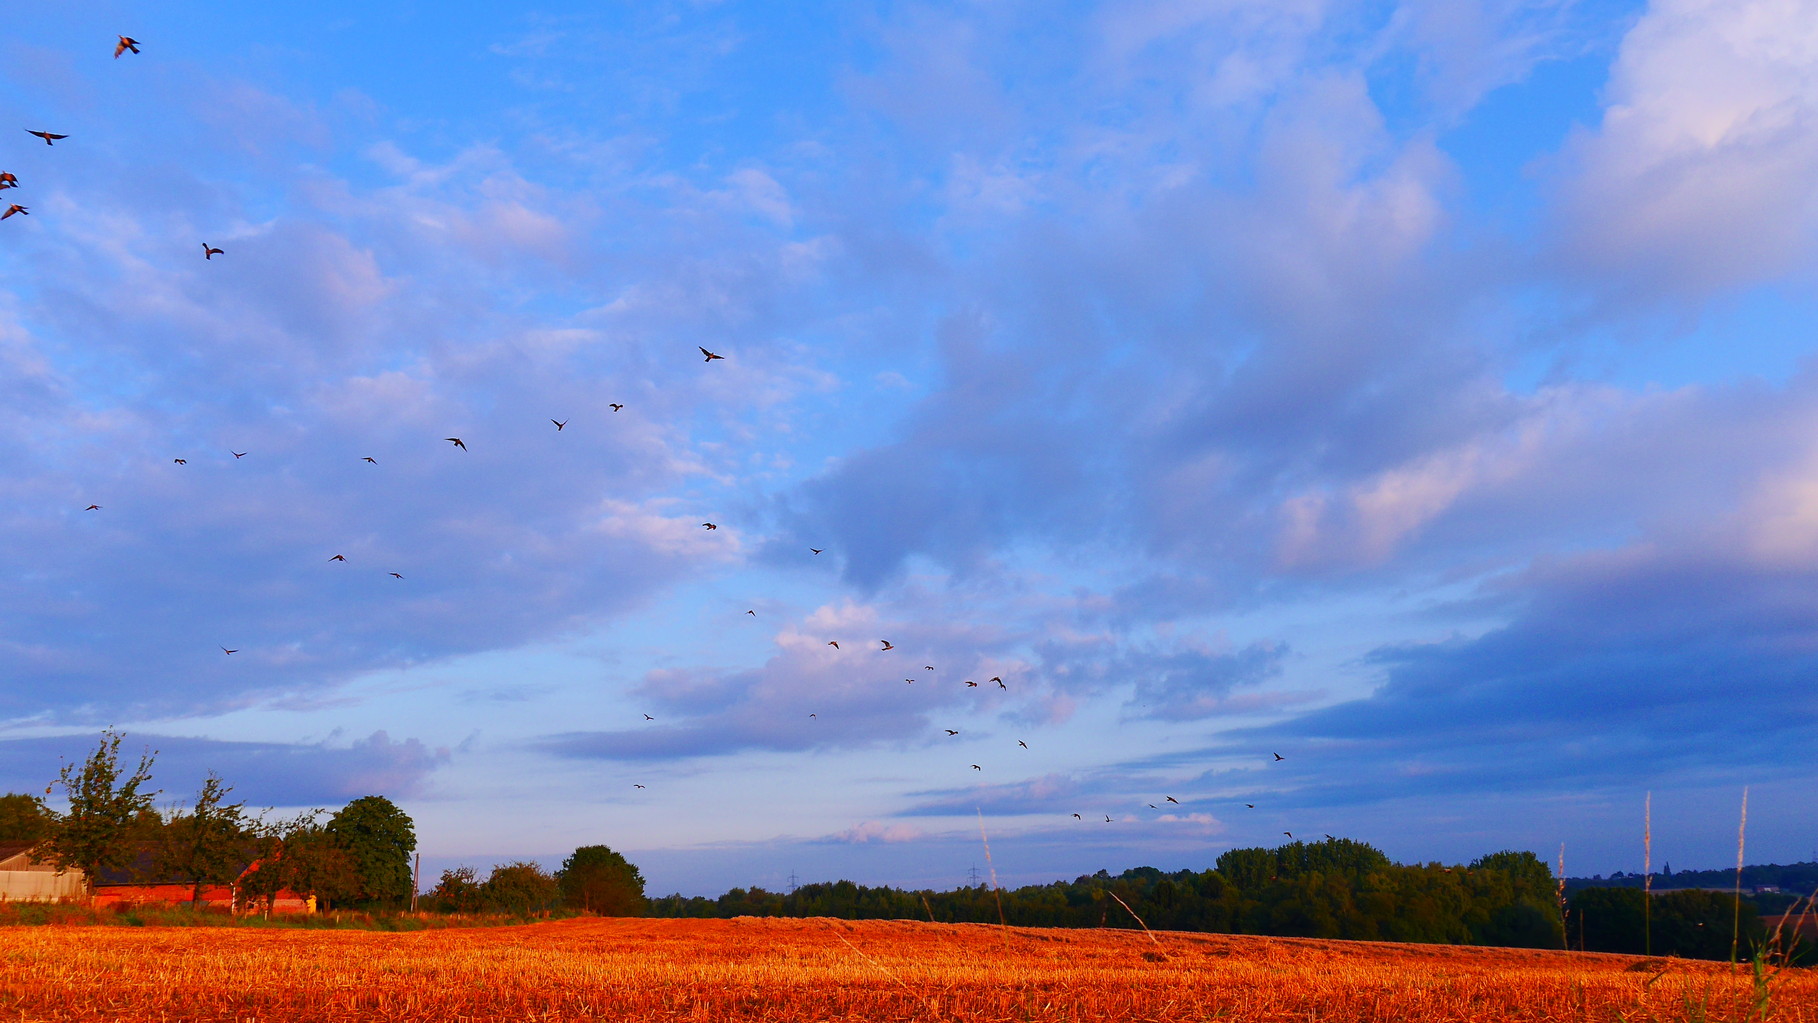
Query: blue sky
x,y
1419,390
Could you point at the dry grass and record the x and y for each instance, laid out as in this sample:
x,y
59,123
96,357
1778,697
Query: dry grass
x,y
750,969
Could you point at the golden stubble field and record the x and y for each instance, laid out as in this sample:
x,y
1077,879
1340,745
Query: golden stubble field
x,y
751,969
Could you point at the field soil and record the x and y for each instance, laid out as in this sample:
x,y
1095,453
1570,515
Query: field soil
x,y
764,969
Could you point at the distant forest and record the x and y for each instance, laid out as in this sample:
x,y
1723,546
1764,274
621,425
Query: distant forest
x,y
1332,889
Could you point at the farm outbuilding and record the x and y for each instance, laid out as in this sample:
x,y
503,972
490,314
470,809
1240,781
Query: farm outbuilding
x,y
142,884
28,875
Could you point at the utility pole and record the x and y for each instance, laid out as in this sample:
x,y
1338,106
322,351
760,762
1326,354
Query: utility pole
x,y
416,882
794,882
972,875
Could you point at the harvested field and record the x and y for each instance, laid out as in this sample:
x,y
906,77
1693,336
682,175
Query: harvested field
x,y
752,969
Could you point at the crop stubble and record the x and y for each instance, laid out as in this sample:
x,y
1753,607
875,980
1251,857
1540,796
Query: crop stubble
x,y
751,969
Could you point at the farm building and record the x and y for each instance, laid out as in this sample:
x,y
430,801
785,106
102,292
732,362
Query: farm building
x,y
27,876
142,884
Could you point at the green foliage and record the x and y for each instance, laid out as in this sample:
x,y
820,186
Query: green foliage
x,y
598,880
106,810
521,888
459,891
302,856
24,818
379,838
208,844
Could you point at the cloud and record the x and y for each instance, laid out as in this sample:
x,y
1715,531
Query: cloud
x,y
323,773
872,831
1699,179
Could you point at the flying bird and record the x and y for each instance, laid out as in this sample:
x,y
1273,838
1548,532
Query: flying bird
x,y
45,135
1077,817
649,718
1290,834
927,667
811,715
235,650
971,684
887,645
1023,744
559,424
394,575
1000,682
1251,805
15,208
180,461
1108,819
975,767
125,43
456,441
236,454
7,180
951,731
1278,756
210,252
910,681
370,459
92,507
1329,838
834,643
1152,806
1171,799
615,406
635,785
752,613
710,355
816,550
339,557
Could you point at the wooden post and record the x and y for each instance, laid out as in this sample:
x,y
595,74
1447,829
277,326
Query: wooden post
x,y
416,882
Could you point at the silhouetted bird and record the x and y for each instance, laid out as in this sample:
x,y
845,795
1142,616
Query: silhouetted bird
x,y
1278,756
752,613
615,406
709,525
1251,805
971,684
45,135
369,458
999,681
8,181
927,667
92,507
910,681
1023,744
951,731
1329,838
236,454
559,424
179,461
649,718
635,785
15,208
1290,834
1107,818
339,557
1077,817
887,644
1152,806
816,550
125,43
834,643
710,356
456,441
975,767
210,252
395,575
235,650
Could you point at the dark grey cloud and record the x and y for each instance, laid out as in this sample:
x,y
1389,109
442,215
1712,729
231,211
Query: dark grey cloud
x,y
324,773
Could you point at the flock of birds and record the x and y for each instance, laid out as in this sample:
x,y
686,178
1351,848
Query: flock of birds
x,y
209,252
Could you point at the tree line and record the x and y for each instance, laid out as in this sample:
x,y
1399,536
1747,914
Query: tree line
x,y
1337,888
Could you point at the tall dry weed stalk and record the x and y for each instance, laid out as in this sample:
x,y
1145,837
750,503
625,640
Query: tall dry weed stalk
x,y
1647,874
1565,940
1736,916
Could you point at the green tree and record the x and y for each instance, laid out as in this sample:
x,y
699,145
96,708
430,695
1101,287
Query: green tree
x,y
300,856
598,880
459,891
105,812
379,838
522,888
211,843
24,818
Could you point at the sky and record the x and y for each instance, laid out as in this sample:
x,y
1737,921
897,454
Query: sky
x,y
1419,391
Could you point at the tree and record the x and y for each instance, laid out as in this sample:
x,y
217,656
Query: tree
x,y
300,855
459,891
24,818
379,838
209,844
521,888
104,811
598,880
